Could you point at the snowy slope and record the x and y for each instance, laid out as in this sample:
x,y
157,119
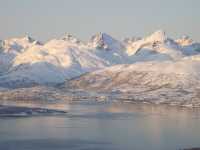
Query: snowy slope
x,y
171,82
186,69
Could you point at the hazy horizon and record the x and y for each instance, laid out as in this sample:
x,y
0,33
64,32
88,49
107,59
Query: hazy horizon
x,y
123,18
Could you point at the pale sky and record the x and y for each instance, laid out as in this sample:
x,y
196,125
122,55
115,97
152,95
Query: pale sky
x,y
46,19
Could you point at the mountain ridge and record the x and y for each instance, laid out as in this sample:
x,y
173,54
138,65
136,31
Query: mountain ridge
x,y
68,57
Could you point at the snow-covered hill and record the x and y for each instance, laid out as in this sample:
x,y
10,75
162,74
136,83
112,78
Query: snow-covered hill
x,y
169,82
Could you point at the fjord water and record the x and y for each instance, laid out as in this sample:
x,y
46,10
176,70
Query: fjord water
x,y
104,127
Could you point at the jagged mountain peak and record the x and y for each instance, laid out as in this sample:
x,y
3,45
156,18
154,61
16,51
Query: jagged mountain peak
x,y
104,41
101,36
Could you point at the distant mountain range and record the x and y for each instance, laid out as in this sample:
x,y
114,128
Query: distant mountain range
x,y
155,69
25,61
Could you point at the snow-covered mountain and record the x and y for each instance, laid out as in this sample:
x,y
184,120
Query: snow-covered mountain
x,y
52,62
19,44
27,62
10,48
157,46
104,41
61,59
108,48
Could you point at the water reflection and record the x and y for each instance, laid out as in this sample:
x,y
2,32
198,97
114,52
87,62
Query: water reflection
x,y
53,144
105,126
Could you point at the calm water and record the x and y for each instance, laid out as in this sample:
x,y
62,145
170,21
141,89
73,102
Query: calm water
x,y
104,127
